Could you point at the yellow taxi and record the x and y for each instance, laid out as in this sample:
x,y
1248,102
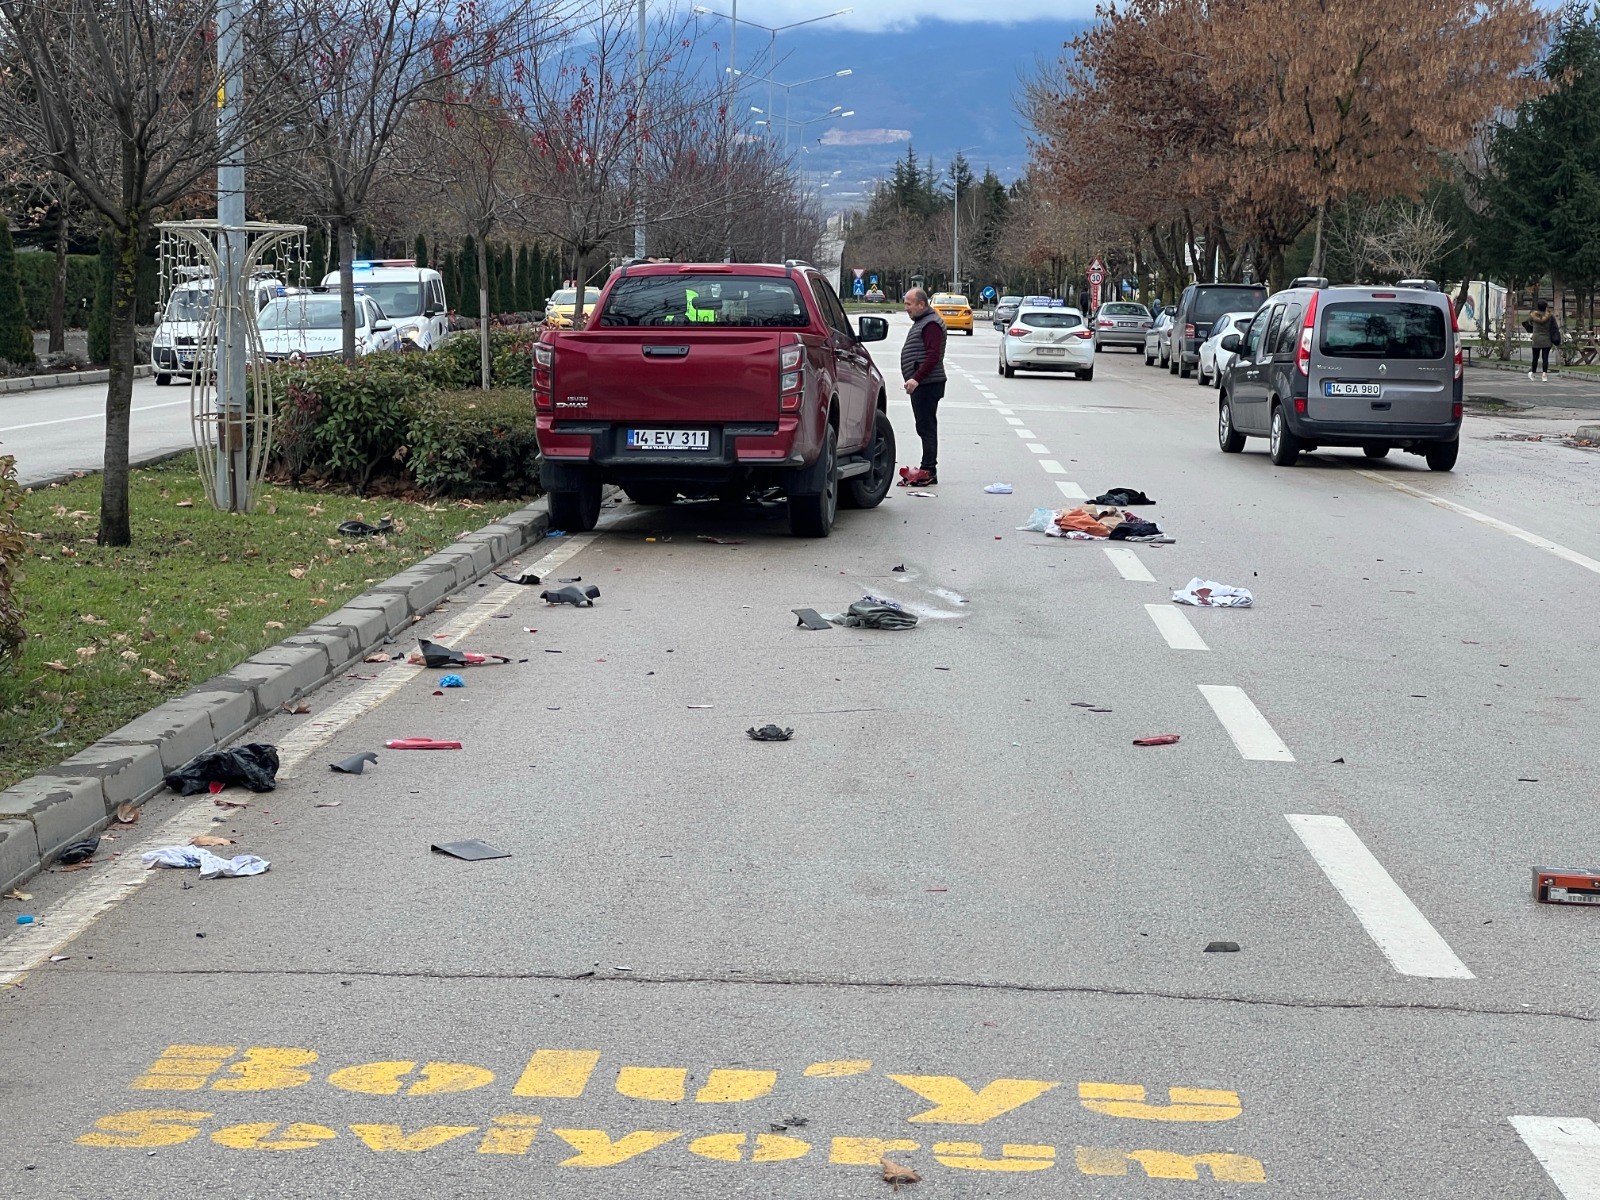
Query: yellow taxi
x,y
955,310
563,304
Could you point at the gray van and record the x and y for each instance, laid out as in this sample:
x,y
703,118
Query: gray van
x,y
1198,309
1374,367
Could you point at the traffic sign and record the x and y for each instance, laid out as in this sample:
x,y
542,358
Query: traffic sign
x,y
859,271
858,288
988,293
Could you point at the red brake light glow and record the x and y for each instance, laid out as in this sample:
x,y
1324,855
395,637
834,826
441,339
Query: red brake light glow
x,y
1018,331
1302,354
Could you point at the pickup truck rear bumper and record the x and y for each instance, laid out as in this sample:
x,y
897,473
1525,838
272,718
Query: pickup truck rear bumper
x,y
603,445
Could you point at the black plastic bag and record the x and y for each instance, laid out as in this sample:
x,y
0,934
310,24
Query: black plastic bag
x,y
254,766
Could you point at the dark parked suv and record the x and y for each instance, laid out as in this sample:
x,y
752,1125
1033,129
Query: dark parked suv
x,y
1377,368
1198,309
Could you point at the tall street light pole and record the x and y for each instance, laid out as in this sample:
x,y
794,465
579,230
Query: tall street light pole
x,y
955,239
228,293
638,151
772,36
789,87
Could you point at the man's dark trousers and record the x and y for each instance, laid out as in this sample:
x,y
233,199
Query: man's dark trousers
x,y
925,404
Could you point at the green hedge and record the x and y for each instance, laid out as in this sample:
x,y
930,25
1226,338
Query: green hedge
x,y
38,274
409,416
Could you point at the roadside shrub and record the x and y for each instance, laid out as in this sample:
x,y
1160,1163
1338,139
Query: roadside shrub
x,y
474,443
13,550
510,359
38,275
16,339
362,419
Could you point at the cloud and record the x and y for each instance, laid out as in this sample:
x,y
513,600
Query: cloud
x,y
864,137
879,15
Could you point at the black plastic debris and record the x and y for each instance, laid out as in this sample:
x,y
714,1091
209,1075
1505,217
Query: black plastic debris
x,y
77,852
810,618
573,595
770,733
523,577
254,766
472,850
1123,495
1221,948
354,764
362,529
900,570
435,655
1134,529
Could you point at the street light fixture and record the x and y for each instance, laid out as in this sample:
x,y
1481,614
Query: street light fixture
x,y
955,200
771,30
789,87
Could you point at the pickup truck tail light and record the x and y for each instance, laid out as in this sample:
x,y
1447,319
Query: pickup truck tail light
x,y
543,358
791,377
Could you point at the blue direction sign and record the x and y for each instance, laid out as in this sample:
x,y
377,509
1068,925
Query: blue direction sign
x,y
859,288
988,293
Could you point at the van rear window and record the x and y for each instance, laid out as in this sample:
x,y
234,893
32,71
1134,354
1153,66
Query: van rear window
x,y
725,301
1211,302
1384,329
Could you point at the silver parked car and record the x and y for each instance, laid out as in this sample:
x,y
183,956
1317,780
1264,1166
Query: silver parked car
x,y
1375,368
1121,323
1158,341
1005,310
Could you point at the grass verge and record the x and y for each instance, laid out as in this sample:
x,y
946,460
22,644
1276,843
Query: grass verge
x,y
112,632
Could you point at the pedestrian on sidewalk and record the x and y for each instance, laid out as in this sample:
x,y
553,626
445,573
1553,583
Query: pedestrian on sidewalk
x,y
1541,323
922,368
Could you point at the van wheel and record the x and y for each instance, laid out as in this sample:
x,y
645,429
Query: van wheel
x,y
576,511
812,515
1378,451
1441,456
1229,438
1184,369
1284,445
868,491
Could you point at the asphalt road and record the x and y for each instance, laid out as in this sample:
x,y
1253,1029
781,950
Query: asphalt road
x,y
57,431
957,918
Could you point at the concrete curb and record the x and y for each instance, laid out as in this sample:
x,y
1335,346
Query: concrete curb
x,y
76,798
35,383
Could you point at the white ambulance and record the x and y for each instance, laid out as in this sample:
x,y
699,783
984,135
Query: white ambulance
x,y
411,297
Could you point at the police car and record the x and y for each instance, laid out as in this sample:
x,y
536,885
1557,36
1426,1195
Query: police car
x,y
175,349
302,323
412,298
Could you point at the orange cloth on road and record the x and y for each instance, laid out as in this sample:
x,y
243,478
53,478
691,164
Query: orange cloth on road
x,y
1082,520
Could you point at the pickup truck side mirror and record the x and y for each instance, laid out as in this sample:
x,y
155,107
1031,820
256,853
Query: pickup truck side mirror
x,y
874,329
1230,343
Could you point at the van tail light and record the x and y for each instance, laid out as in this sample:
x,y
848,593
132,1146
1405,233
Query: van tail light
x,y
1188,331
1455,411
543,377
1018,331
1302,354
791,377
1455,340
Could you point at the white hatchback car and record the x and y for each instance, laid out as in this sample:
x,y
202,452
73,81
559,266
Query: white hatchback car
x,y
1214,360
1047,338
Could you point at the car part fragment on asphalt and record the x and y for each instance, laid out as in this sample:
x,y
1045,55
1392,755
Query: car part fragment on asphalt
x,y
254,765
362,529
421,743
527,578
1221,948
900,570
770,733
810,618
1206,593
472,850
435,655
211,866
894,1174
1122,496
451,681
355,764
719,541
78,851
872,613
998,489
1160,739
1566,885
575,596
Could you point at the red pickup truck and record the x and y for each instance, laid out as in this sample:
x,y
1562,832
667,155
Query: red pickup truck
x,y
705,379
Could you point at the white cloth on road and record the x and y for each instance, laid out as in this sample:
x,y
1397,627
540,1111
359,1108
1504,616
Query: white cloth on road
x,y
1204,593
211,866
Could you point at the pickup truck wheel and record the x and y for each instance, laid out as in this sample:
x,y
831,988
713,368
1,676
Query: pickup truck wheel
x,y
651,493
812,515
576,511
868,491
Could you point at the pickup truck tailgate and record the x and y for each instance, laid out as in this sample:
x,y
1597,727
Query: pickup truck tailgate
x,y
700,376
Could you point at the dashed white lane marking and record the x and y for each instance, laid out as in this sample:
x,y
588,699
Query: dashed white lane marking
x,y
1024,433
1568,1148
1013,420
1472,514
1408,941
1175,627
1006,412
1073,492
1052,467
1127,563
1250,731
104,889
1037,448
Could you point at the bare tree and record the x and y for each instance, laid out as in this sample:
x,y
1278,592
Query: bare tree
x,y
121,100
1411,240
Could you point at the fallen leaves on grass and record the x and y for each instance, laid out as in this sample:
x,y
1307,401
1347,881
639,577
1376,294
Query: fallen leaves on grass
x,y
204,636
153,676
298,572
273,625
184,504
91,619
58,666
85,653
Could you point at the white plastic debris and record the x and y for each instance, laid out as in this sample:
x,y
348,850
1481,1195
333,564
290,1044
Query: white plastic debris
x,y
1206,593
211,866
998,489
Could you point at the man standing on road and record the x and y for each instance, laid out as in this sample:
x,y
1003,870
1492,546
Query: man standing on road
x,y
922,367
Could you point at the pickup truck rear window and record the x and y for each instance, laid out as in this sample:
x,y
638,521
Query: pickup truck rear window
x,y
725,301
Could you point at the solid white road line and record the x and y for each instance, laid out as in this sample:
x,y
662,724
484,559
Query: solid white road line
x,y
1568,1148
94,416
1249,730
1125,560
104,889
1037,448
1408,941
1072,491
1175,627
1533,539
